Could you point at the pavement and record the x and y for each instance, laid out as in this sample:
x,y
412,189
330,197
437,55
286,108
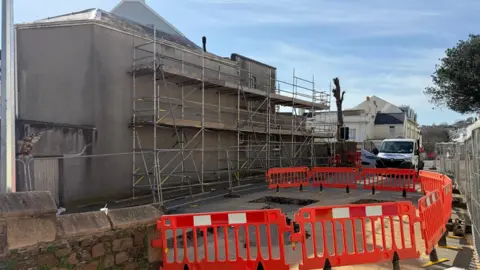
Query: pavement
x,y
258,236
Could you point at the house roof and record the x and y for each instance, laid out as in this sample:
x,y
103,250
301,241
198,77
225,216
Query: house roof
x,y
389,118
233,57
382,105
139,11
119,22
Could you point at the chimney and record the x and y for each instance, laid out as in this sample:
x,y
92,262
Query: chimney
x,y
204,42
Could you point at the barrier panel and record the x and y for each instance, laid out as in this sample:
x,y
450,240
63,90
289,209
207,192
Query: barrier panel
x,y
288,177
447,198
355,158
389,179
432,222
431,181
336,177
356,234
328,236
228,240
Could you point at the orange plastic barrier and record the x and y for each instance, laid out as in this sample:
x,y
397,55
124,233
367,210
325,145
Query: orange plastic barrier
x,y
336,177
355,234
288,177
447,198
356,158
432,222
334,161
225,240
431,181
389,179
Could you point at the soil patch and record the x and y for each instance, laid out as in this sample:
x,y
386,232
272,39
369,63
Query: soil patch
x,y
283,200
368,201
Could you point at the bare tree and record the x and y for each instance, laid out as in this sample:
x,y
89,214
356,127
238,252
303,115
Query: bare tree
x,y
339,95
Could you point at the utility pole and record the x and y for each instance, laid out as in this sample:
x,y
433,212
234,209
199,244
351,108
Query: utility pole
x,y
7,135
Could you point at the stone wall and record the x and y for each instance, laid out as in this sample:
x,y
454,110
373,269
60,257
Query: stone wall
x,y
33,237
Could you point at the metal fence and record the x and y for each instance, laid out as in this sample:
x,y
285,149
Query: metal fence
x,y
41,173
461,161
449,157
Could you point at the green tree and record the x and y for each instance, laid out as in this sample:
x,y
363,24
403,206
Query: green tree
x,y
456,80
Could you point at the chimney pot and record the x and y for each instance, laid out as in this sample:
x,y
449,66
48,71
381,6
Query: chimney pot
x,y
204,42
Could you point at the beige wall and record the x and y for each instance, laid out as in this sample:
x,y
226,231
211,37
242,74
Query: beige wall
x,y
384,131
406,130
412,130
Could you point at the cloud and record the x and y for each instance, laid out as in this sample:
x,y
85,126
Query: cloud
x,y
386,17
399,78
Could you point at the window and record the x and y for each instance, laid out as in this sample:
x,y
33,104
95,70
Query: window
x,y
352,134
397,147
392,130
253,81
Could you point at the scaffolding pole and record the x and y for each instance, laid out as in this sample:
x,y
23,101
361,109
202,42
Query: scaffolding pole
x,y
261,128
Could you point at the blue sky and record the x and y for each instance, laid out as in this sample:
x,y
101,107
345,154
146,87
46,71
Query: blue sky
x,y
376,47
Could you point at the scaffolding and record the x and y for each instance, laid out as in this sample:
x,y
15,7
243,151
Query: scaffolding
x,y
200,120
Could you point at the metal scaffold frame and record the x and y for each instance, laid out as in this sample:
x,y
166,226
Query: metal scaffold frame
x,y
267,133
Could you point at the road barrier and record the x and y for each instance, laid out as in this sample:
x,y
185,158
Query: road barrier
x,y
355,158
335,177
431,181
447,198
328,236
389,179
431,216
229,240
288,177
331,228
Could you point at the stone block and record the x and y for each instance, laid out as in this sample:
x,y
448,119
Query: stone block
x,y
62,252
82,224
133,216
3,240
98,250
131,266
72,259
25,232
27,204
122,244
91,266
47,260
121,257
108,261
30,218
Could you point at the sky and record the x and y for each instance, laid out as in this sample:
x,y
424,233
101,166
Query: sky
x,y
376,47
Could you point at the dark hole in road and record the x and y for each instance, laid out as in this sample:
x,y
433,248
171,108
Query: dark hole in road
x,y
283,200
368,201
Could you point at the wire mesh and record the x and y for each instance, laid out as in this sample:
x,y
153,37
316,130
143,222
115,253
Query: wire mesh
x,y
461,161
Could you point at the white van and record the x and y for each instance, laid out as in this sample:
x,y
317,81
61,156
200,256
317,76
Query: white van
x,y
394,153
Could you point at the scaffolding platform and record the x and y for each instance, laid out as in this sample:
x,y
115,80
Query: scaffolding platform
x,y
185,78
207,118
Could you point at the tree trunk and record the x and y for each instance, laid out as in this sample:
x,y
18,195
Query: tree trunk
x,y
339,95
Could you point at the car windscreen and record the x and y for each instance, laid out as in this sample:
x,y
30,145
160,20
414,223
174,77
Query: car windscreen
x,y
396,147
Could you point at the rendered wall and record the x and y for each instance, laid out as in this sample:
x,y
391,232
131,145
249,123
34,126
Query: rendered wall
x,y
78,76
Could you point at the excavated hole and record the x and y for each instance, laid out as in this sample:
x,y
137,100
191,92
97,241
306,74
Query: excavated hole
x,y
283,200
368,201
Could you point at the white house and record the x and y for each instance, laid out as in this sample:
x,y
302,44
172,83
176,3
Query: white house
x,y
358,121
374,119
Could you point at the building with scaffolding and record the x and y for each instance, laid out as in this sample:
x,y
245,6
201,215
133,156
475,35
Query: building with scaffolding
x,y
125,110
